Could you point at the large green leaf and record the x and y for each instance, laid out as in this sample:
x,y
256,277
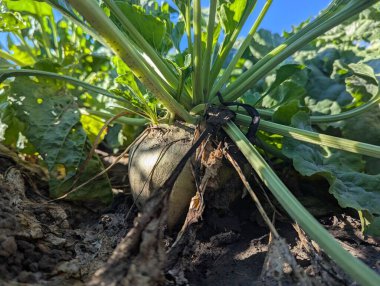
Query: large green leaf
x,y
152,28
362,84
343,171
53,126
30,7
285,112
230,13
287,84
323,88
283,73
263,42
365,128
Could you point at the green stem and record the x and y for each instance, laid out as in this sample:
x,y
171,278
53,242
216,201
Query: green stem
x,y
351,265
208,53
9,57
26,72
314,137
130,54
230,42
335,117
45,39
166,72
268,113
331,18
55,37
188,30
346,114
197,73
124,120
227,73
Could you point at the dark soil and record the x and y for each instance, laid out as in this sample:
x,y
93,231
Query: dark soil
x,y
63,243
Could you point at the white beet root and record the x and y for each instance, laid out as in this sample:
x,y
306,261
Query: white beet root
x,y
153,159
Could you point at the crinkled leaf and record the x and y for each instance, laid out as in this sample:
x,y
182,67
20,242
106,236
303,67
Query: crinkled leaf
x,y
321,87
53,127
363,84
286,92
12,130
283,73
348,184
364,70
365,128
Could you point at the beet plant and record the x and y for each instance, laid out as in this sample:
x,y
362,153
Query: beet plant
x,y
320,76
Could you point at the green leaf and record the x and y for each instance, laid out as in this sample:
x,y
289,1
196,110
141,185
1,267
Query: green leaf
x,y
22,53
364,70
12,129
152,28
92,126
343,171
140,103
264,42
126,76
230,14
283,73
285,112
286,92
53,126
365,128
177,34
10,22
322,88
362,85
374,227
32,7
181,4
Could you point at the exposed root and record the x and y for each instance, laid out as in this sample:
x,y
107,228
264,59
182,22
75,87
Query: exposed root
x,y
280,266
139,258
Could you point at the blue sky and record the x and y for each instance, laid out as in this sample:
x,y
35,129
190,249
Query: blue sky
x,y
281,15
285,13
